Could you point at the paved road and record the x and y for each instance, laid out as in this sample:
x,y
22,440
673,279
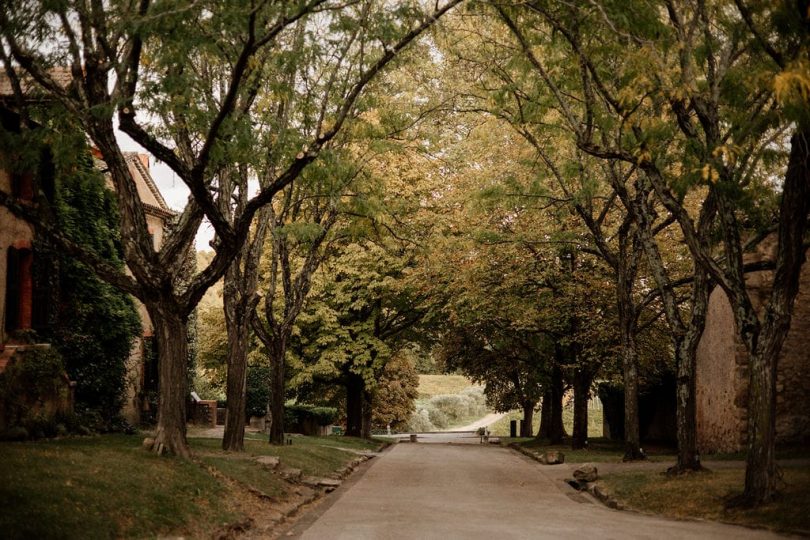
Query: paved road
x,y
428,491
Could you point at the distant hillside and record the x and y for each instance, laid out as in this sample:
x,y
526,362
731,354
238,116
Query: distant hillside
x,y
434,385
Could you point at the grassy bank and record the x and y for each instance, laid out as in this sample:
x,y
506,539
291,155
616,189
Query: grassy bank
x,y
108,487
599,450
501,427
702,495
434,385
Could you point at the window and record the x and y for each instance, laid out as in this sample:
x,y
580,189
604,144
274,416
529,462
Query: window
x,y
22,186
19,289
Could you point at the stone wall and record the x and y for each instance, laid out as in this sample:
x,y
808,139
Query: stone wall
x,y
722,372
720,410
793,380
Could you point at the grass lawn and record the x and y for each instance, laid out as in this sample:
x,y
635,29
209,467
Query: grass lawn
x,y
599,450
103,487
501,427
315,456
108,487
702,495
434,385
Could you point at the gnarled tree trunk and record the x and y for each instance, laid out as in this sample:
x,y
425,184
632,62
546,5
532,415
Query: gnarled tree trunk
x,y
556,429
277,391
171,331
629,357
368,410
528,418
238,326
582,388
760,467
354,405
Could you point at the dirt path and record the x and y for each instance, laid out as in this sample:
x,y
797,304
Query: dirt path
x,y
473,491
488,420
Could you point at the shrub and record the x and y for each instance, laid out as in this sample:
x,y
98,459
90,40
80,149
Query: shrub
x,y
257,394
296,415
453,406
32,389
420,422
445,409
438,418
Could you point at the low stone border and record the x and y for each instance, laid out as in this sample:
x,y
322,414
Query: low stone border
x,y
602,495
306,490
541,458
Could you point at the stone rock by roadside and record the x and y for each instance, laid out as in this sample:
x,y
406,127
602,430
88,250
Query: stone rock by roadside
x,y
586,473
329,484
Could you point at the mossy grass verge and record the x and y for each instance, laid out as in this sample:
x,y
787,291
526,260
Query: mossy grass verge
x,y
108,487
315,456
599,450
703,495
501,427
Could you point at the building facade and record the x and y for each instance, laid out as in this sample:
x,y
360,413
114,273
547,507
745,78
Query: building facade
x,y
722,368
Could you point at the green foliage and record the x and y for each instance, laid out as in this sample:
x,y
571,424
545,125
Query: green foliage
x,y
96,322
296,414
33,392
449,410
396,392
90,322
257,395
36,371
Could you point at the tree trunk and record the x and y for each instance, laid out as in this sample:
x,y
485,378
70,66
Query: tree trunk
x,y
238,333
528,416
760,466
354,405
545,416
556,429
368,412
688,458
277,391
629,353
171,330
686,364
582,388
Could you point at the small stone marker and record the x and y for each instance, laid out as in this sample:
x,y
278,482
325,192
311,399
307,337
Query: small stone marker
x,y
291,474
270,462
413,437
148,443
586,473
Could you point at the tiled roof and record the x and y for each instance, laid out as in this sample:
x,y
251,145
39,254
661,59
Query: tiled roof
x,y
61,75
134,159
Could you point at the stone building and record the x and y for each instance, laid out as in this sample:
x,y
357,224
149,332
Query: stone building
x,y
722,368
24,307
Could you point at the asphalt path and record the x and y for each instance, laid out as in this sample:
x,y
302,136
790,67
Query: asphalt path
x,y
448,491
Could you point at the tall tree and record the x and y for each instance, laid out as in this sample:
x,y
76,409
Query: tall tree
x,y
713,93
136,62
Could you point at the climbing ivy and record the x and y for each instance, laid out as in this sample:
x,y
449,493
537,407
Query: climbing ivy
x,y
89,322
97,323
